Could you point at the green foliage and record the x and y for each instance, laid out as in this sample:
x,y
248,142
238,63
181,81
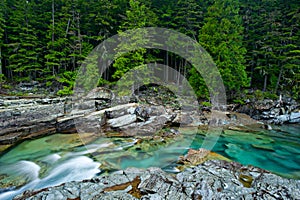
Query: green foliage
x,y
188,17
49,83
2,78
5,86
221,36
65,91
239,101
198,84
23,45
129,55
272,41
269,95
258,94
45,40
68,81
206,104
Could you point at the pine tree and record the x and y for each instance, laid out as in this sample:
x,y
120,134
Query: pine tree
x,y
268,43
189,17
289,77
2,29
221,36
270,38
138,16
23,43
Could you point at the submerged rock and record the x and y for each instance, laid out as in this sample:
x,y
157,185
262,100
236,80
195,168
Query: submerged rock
x,y
210,180
196,157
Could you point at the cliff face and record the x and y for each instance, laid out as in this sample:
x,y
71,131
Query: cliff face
x,y
210,180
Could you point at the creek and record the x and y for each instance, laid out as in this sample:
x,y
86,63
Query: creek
x,y
59,158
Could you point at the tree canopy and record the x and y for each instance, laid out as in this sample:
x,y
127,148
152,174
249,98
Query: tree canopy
x,y
255,44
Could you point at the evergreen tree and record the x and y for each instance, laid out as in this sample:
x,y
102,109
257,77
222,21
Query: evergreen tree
x,y
268,43
23,43
271,40
138,16
289,76
221,36
2,29
189,17
48,40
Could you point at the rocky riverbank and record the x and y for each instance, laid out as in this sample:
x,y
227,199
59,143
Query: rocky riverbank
x,y
100,112
210,180
283,110
155,116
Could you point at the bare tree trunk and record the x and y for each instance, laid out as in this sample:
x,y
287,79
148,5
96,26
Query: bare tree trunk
x,y
167,70
178,74
68,26
53,23
11,74
79,34
278,79
0,60
53,36
265,82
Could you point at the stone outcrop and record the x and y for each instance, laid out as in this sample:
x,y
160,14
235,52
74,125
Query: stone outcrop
x,y
210,180
284,110
98,112
142,114
28,117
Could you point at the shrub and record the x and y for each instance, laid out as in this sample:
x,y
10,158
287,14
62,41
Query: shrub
x,y
206,104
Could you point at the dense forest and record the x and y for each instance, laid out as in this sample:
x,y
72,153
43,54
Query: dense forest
x,y
255,44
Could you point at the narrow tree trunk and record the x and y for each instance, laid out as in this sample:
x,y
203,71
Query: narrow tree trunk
x,y
53,26
79,34
11,74
167,71
53,23
178,73
278,79
0,61
265,82
68,25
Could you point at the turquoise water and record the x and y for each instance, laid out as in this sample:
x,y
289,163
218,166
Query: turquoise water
x,y
59,158
276,150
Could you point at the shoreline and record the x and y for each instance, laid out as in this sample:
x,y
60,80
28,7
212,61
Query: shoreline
x,y
38,117
213,179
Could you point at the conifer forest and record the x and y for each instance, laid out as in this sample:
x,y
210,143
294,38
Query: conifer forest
x,y
255,44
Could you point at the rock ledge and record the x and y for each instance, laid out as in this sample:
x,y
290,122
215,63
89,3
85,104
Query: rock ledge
x,y
210,180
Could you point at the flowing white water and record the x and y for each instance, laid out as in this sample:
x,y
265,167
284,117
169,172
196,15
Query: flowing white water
x,y
78,168
74,169
55,159
28,170
51,158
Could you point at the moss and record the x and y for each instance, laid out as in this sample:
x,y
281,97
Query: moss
x,y
246,180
